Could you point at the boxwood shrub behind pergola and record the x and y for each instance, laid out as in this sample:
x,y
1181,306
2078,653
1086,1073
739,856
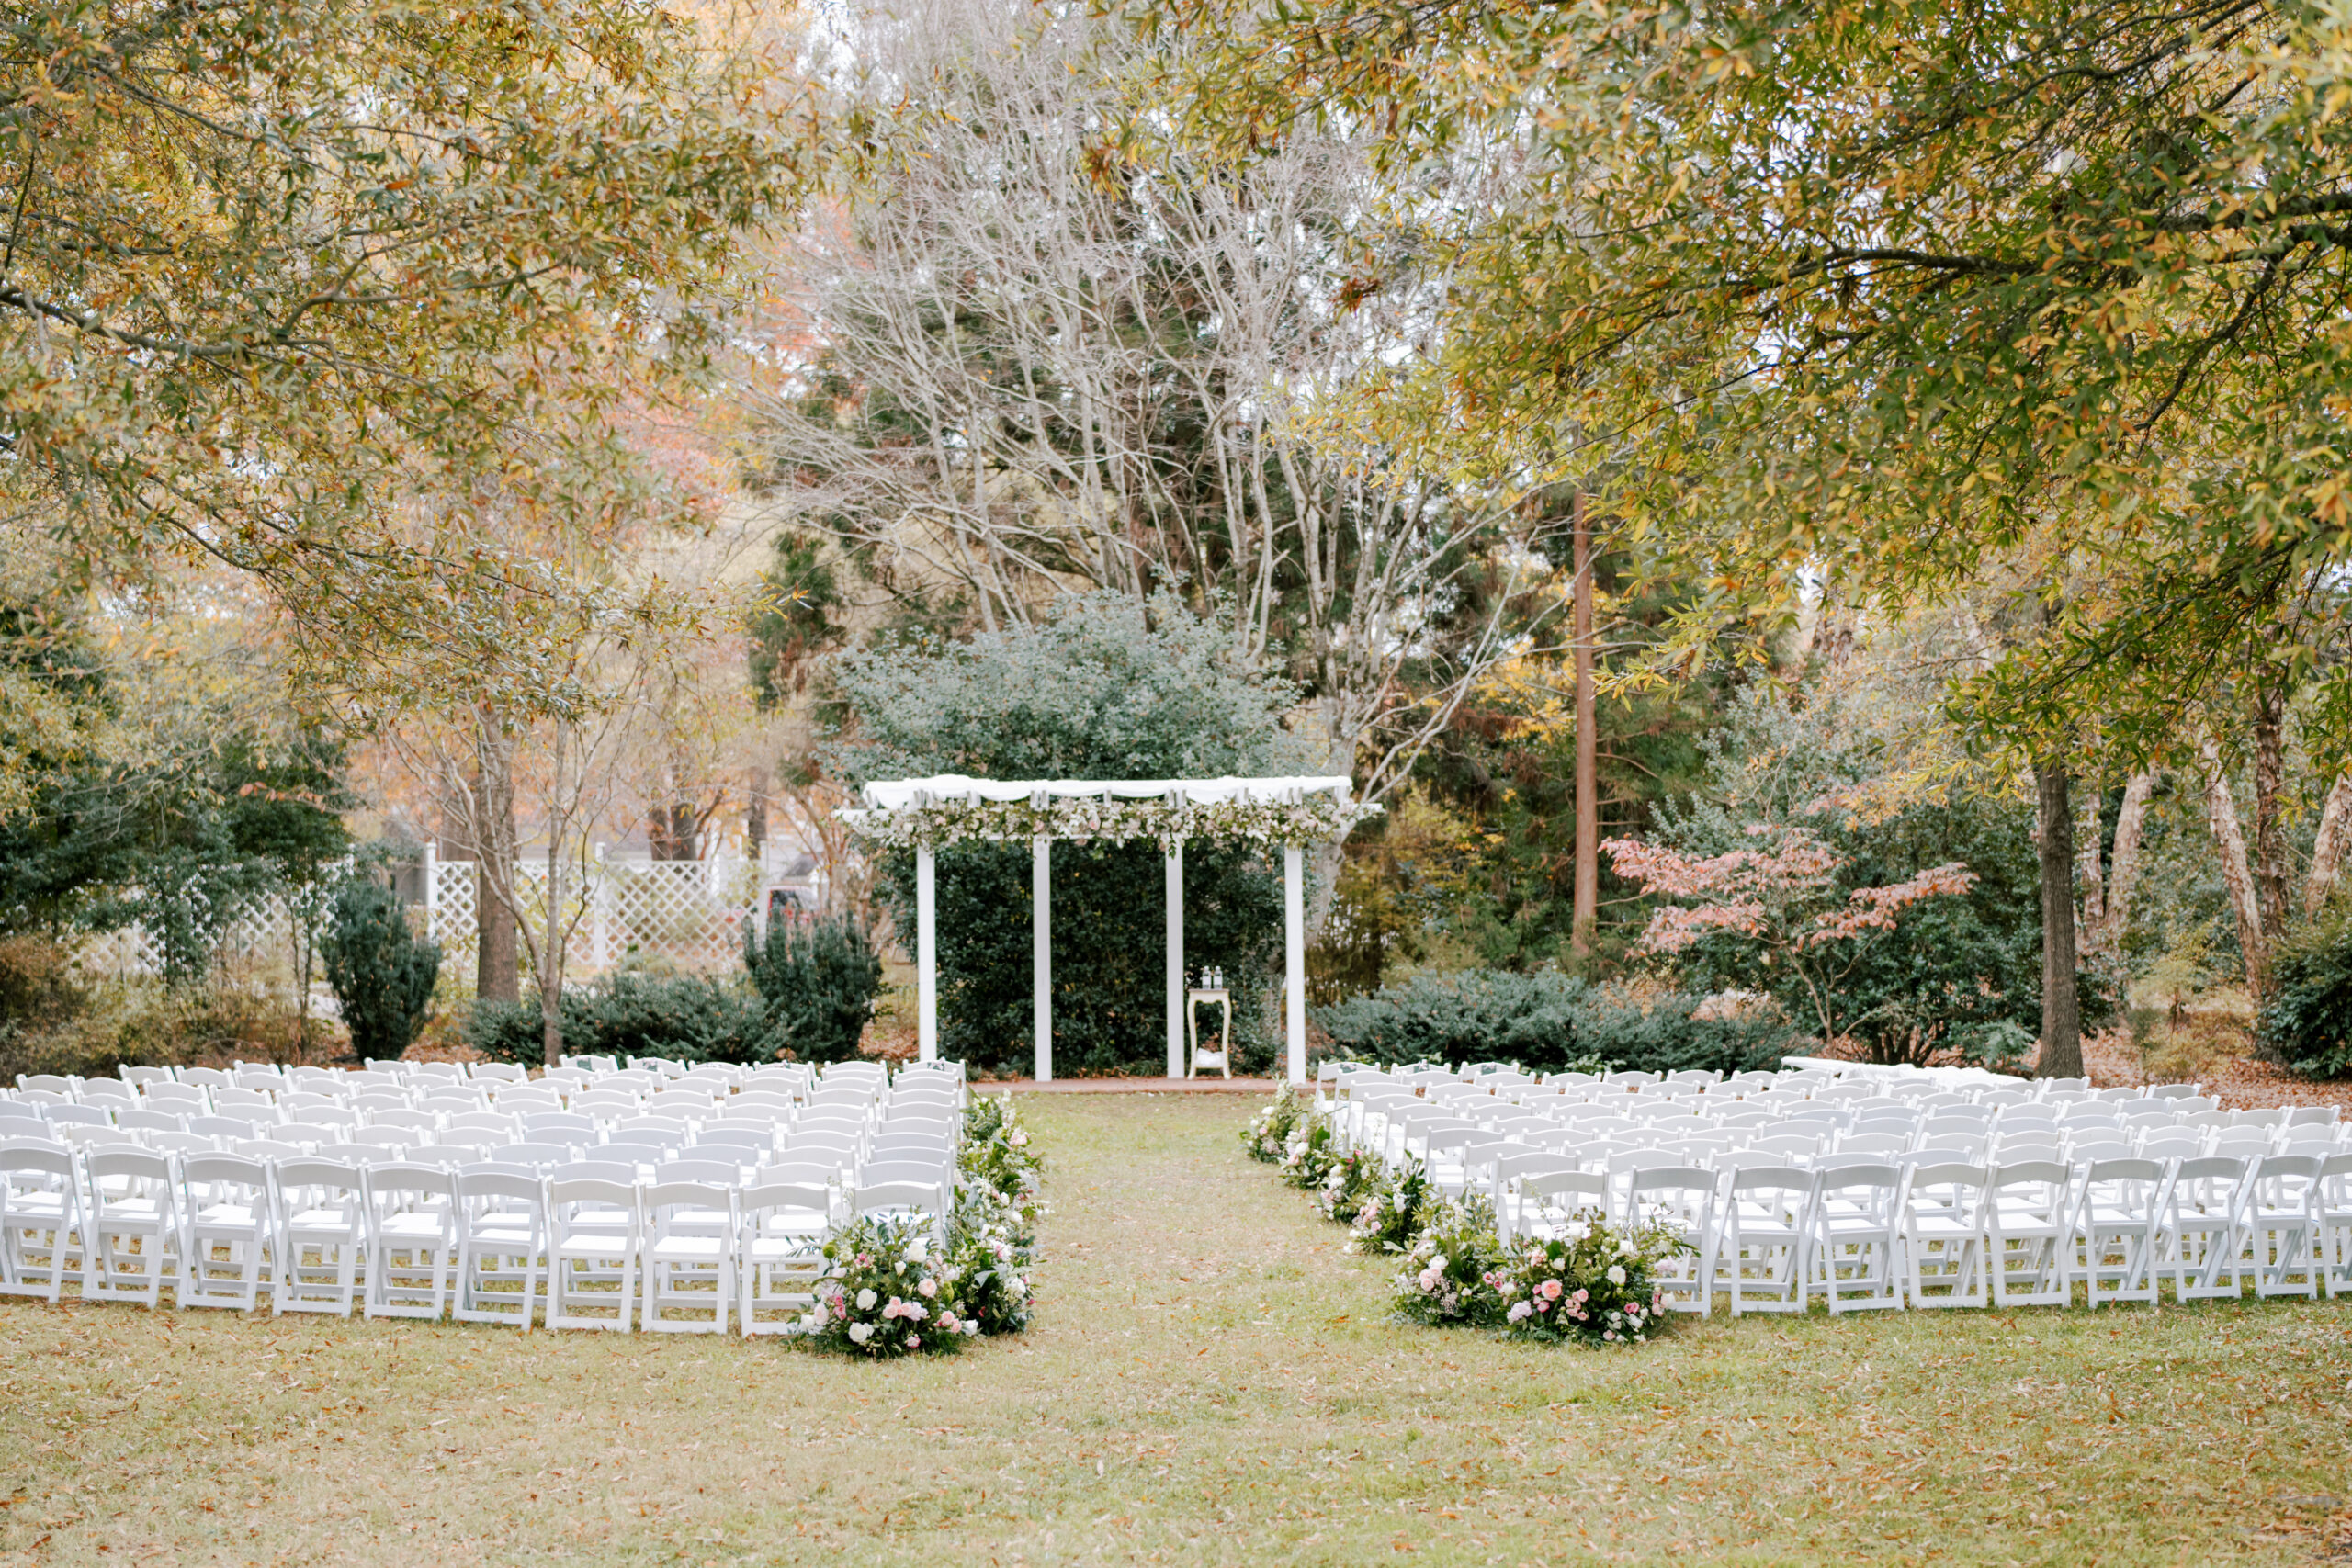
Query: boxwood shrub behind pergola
x,y
924,814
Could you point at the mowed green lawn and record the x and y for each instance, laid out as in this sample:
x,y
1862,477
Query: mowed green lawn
x,y
1211,1380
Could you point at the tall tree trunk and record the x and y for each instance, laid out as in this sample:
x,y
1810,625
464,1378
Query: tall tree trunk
x,y
1588,780
497,969
2089,885
755,816
2222,818
2327,847
2269,831
551,953
2062,1019
2123,872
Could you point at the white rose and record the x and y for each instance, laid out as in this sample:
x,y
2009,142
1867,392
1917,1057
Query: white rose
x,y
919,1250
929,1287
866,1300
1616,1275
859,1333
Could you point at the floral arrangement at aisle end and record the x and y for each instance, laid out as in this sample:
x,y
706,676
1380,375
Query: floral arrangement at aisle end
x,y
1267,1137
891,1290
1593,1284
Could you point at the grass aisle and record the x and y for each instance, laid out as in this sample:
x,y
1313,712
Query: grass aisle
x,y
1210,1381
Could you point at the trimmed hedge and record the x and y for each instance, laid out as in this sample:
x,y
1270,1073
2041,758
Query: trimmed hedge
x,y
688,1019
1543,1021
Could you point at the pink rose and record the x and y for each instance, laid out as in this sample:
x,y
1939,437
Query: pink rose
x,y
1551,1289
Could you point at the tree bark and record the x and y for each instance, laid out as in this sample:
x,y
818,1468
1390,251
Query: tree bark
x,y
1588,779
2124,873
2270,833
2222,818
2062,1019
2089,885
497,971
2327,847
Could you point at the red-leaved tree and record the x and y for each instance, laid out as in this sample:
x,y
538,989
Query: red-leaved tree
x,y
1782,895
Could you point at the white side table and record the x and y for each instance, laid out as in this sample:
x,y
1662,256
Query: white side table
x,y
1220,1058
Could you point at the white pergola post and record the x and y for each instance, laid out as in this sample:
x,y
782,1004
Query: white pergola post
x,y
1295,961
926,954
1176,959
1041,950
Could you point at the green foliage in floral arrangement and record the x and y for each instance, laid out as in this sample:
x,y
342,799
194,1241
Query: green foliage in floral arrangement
x,y
1593,1284
1449,1278
888,1292
1267,1137
1309,1156
1394,1213
1352,1181
990,1239
996,1151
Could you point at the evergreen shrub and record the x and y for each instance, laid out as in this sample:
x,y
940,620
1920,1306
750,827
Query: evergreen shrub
x,y
686,1018
819,979
1545,1022
2308,1022
380,972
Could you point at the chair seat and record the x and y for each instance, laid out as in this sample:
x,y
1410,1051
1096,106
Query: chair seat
x,y
592,1249
783,1249
225,1215
688,1250
414,1228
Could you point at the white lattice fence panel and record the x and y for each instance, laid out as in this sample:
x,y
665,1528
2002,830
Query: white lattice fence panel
x,y
450,913
263,934
689,912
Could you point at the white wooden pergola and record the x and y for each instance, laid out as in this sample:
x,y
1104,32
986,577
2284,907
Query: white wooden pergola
x,y
924,814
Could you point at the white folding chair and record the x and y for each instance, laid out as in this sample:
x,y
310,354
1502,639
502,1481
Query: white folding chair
x,y
1682,1199
780,1240
2282,1226
1766,1220
322,1234
1856,1232
596,1238
411,1240
230,1230
2333,1207
132,1229
919,1202
1943,1235
689,1257
2199,1233
501,1245
2115,1230
40,1209
1518,1204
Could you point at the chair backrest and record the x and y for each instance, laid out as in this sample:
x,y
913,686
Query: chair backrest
x,y
497,1072
77,1116
223,1170
928,1196
719,1172
2126,1178
479,1182
533,1155
224,1126
876,1173
149,1121
2313,1115
567,1192
764,1197
405,1120
310,1170
236,1101
138,1164
209,1077
108,1091
2172,1143
171,1094
734,1137
563,1123
663,1197
390,1181
380,1137
619,1172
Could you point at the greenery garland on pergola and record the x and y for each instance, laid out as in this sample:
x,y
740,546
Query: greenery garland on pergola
x,y
925,813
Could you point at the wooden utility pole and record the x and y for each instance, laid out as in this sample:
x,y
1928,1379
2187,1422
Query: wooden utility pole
x,y
1587,780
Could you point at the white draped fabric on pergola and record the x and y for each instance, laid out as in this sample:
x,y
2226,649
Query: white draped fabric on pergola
x,y
924,814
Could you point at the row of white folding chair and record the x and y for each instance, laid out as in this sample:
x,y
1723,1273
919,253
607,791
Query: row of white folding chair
x,y
314,1232
2031,1231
